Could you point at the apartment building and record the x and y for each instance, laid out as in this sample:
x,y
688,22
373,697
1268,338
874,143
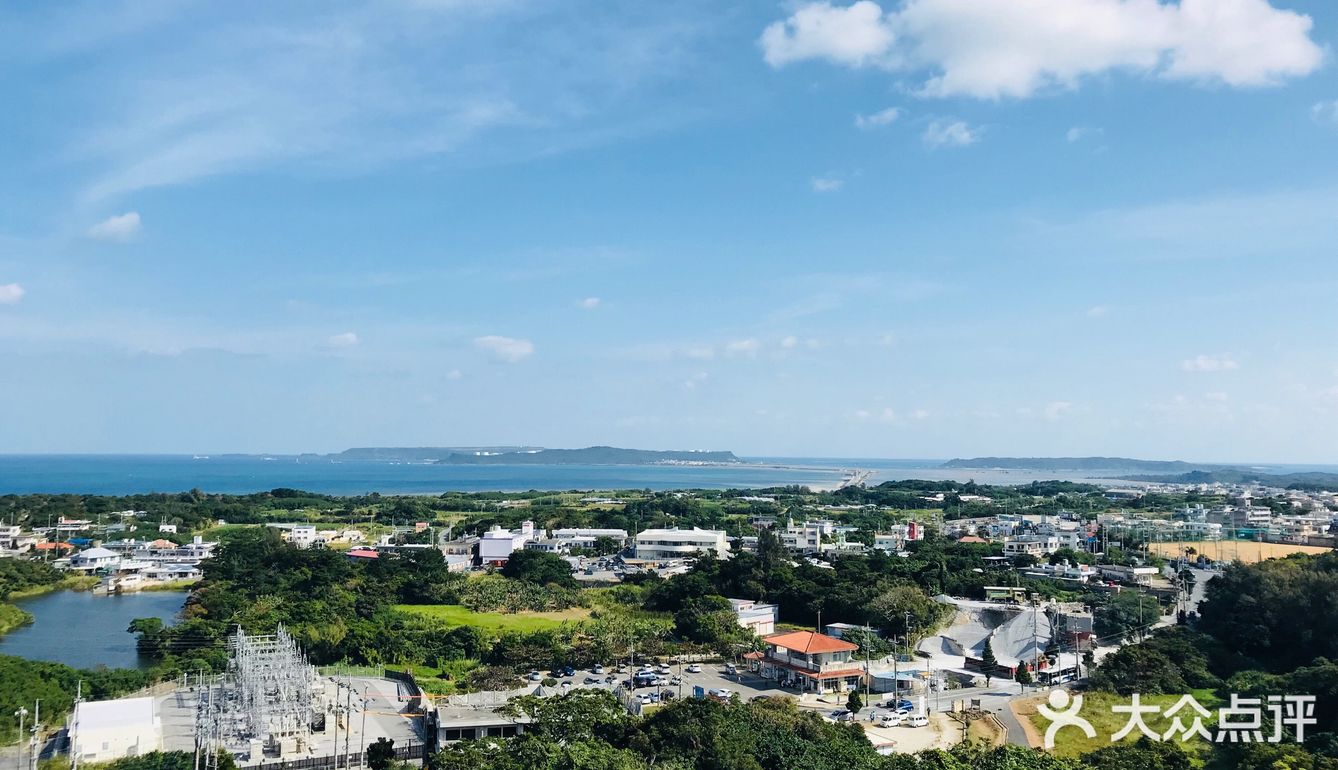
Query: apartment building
x,y
666,544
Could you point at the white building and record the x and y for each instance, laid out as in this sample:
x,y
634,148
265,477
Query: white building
x,y
302,535
808,536
665,544
497,544
95,559
101,731
583,537
897,535
1034,545
755,616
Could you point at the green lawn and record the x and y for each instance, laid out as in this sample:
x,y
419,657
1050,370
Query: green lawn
x,y
457,615
1071,742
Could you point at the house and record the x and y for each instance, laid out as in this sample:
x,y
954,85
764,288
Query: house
x,y
1136,575
549,545
810,662
897,536
101,731
755,616
1031,545
667,544
808,536
302,535
497,544
95,559
167,529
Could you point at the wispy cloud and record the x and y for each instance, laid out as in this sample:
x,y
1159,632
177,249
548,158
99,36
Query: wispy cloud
x,y
949,133
120,228
508,349
1079,133
881,118
589,303
343,340
346,88
745,347
1209,363
11,293
826,184
1326,112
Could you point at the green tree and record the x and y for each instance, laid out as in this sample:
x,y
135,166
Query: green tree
x,y
1023,675
988,662
381,754
539,568
854,702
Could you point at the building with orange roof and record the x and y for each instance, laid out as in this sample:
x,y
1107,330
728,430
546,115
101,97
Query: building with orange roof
x,y
811,662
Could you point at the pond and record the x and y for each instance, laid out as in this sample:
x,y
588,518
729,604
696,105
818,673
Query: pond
x,y
82,630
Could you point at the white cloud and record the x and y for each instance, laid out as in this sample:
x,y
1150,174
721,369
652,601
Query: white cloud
x,y
1207,363
1079,133
455,374
1098,311
692,382
1057,409
921,414
120,228
880,118
1216,395
589,303
11,293
508,349
746,347
826,184
949,133
856,36
789,342
700,352
344,340
1016,48
1326,112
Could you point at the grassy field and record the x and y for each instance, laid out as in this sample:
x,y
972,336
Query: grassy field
x,y
12,617
442,681
457,615
1246,551
1071,742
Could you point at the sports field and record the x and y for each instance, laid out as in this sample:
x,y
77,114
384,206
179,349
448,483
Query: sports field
x,y
1246,551
458,615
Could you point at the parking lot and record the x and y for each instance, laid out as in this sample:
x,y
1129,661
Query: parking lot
x,y
713,676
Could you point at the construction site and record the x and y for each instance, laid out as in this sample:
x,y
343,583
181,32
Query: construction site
x,y
272,706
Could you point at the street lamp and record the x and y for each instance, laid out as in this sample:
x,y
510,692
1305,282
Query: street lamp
x,y
21,714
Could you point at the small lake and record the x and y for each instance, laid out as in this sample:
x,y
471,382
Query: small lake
x,y
85,631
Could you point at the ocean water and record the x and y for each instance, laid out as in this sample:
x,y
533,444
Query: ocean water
x,y
135,474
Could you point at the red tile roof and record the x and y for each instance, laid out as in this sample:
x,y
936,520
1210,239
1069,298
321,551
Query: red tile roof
x,y
972,539
809,642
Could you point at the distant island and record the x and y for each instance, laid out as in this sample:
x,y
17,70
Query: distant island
x,y
1308,480
1115,464
524,455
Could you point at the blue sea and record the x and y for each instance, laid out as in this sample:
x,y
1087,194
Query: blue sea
x,y
135,474
242,474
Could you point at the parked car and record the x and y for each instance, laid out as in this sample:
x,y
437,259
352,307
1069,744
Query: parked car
x,y
667,695
695,668
730,668
592,680
597,669
655,697
568,671
534,676
644,698
889,719
610,679
841,715
903,705
916,720
675,679
719,693
663,668
566,685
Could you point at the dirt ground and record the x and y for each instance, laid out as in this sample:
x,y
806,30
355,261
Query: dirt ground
x,y
1245,551
941,733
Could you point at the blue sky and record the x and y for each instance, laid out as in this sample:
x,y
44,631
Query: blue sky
x,y
924,229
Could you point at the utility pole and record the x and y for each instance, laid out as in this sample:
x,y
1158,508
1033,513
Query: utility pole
x,y
78,697
348,717
35,748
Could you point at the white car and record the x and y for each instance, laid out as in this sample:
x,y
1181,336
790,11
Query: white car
x,y
916,720
598,669
720,693
841,715
889,719
535,676
695,668
663,668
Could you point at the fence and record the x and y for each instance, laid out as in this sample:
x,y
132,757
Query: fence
x,y
412,752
